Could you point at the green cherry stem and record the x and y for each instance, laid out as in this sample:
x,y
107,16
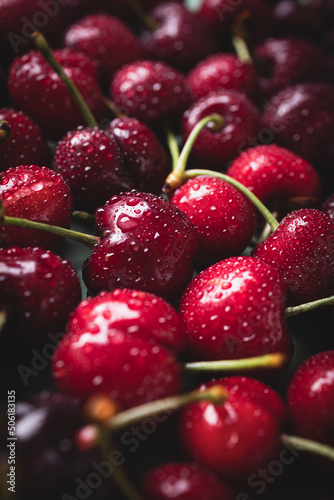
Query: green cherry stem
x,y
85,239
238,38
303,444
172,146
274,360
146,20
5,131
267,215
308,306
43,46
215,394
3,319
113,108
85,216
215,122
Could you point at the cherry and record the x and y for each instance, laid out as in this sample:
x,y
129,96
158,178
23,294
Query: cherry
x,y
142,154
180,39
275,173
147,244
26,144
217,147
69,58
38,194
150,91
134,312
90,161
235,309
223,71
301,250
286,61
234,438
223,217
106,40
290,19
131,370
302,118
36,89
38,291
184,481
328,206
310,398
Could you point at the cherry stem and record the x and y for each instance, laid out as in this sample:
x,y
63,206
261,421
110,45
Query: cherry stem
x,y
146,20
267,215
113,108
266,230
303,444
79,214
308,306
177,177
274,360
44,48
85,239
238,38
5,131
215,394
172,146
3,319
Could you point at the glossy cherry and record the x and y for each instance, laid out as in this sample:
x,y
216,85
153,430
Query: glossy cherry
x,y
38,194
215,148
137,313
184,481
147,244
130,369
38,291
328,206
223,217
301,250
26,144
235,309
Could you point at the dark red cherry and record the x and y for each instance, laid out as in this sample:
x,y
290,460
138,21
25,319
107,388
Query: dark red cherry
x,y
275,173
38,194
310,398
136,313
147,244
180,39
130,369
223,217
301,250
26,144
38,291
223,71
328,206
235,309
234,438
150,91
215,148
184,481
106,40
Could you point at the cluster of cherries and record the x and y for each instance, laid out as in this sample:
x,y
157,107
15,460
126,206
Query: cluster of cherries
x,y
198,281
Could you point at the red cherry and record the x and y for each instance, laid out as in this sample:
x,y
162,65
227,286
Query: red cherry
x,y
26,144
223,217
141,314
275,173
148,244
131,370
180,39
302,117
234,438
150,91
69,58
38,194
143,156
328,206
235,309
90,161
223,71
106,40
310,398
184,481
301,250
286,61
38,291
217,147
36,89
